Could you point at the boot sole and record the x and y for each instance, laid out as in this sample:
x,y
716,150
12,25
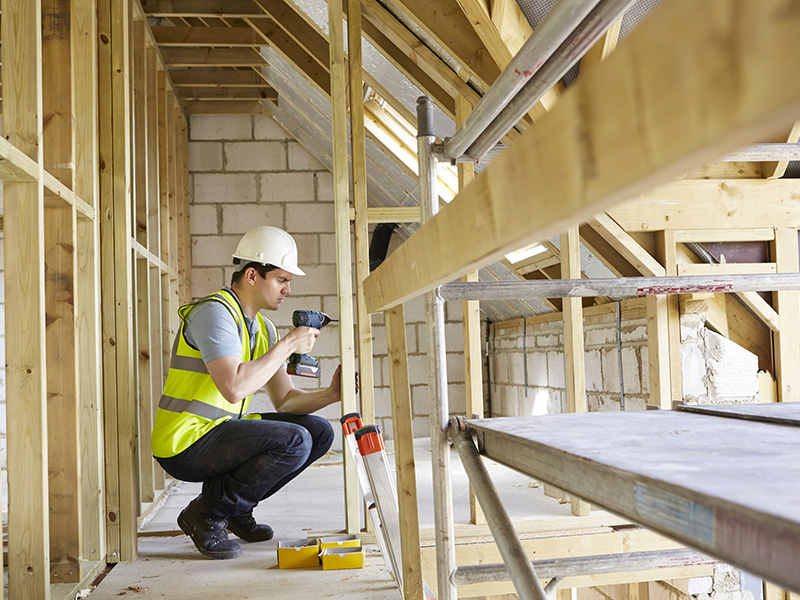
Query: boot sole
x,y
185,528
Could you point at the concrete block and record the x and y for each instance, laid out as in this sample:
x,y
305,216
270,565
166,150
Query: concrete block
x,y
221,188
420,402
327,344
203,219
327,249
557,403
301,159
220,127
311,218
319,280
382,399
205,156
454,336
422,337
330,305
415,310
549,340
287,187
208,251
240,218
594,371
267,128
254,156
307,249
418,369
421,427
411,339
454,312
516,368
455,367
500,368
324,185
555,369
457,398
630,370
537,369
387,428
206,281
733,370
633,333
379,340
610,360
377,373
600,336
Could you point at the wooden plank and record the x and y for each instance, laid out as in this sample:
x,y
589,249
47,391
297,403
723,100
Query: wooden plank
x,y
666,251
602,105
405,41
402,426
712,269
291,19
716,204
787,413
359,166
574,356
195,37
57,118
712,306
602,48
63,411
447,24
153,192
639,258
228,93
725,235
722,516
471,314
213,57
200,8
776,169
658,353
144,353
85,90
140,116
344,263
26,387
787,342
215,78
15,165
221,107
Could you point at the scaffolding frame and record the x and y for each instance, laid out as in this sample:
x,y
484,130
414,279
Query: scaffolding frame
x,y
438,253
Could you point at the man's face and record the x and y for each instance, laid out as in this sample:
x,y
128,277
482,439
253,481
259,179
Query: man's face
x,y
274,287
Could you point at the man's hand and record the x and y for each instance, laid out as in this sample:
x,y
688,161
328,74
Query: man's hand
x,y
300,340
336,383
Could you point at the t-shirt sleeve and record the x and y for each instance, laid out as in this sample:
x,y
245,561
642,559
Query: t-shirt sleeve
x,y
211,328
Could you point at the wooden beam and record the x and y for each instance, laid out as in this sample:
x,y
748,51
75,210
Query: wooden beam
x,y
200,8
775,170
449,27
713,269
725,235
471,311
343,260
83,17
215,78
232,37
638,78
220,107
666,252
787,342
712,204
574,355
602,48
15,165
228,93
402,423
213,57
405,41
26,385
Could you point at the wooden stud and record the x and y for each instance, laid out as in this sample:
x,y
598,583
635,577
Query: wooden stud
x,y
26,407
574,355
473,369
402,424
63,460
359,166
343,258
667,252
440,251
787,342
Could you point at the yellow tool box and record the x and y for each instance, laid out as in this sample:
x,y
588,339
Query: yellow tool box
x,y
351,557
298,554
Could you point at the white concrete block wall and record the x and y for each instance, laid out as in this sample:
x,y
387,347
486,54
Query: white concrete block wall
x,y
248,171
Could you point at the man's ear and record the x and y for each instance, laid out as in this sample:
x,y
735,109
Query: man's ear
x,y
250,275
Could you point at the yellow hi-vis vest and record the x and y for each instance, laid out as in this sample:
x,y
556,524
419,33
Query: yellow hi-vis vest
x,y
191,405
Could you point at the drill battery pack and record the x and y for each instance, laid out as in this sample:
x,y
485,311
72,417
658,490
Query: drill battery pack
x,y
303,365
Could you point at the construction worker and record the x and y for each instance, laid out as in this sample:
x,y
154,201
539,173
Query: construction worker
x,y
225,351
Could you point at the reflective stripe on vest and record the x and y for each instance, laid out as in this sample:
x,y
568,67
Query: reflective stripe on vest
x,y
191,404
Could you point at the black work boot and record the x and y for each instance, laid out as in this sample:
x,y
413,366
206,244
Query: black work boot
x,y
208,535
244,526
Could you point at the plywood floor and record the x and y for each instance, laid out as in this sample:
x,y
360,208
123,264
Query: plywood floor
x,y
170,567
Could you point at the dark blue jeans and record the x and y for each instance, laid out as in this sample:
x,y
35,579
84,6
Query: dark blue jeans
x,y
244,461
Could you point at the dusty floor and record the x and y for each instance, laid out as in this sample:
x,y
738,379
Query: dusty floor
x,y
170,567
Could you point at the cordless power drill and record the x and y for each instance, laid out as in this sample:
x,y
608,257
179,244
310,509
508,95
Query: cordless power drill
x,y
305,365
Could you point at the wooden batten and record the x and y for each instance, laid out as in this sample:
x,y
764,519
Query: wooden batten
x,y
787,341
343,260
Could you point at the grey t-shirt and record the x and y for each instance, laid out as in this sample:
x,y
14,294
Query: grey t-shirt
x,y
211,328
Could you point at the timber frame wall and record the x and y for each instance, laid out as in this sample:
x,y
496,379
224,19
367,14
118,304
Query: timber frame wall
x,y
94,166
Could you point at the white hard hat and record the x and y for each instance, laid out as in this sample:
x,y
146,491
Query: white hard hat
x,y
269,245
